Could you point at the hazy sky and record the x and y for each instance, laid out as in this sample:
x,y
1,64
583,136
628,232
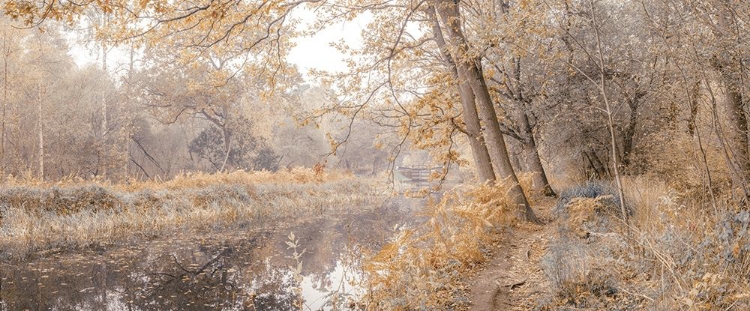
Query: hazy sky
x,y
316,53
309,53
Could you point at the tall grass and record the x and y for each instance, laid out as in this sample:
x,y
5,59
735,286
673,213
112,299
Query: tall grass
x,y
37,216
677,255
424,267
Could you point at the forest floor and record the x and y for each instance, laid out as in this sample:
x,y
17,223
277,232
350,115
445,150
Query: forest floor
x,y
585,257
513,279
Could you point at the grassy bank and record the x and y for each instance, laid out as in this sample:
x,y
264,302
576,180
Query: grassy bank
x,y
426,268
675,255
37,216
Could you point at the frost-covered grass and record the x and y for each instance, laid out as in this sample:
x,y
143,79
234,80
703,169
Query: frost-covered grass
x,y
425,267
676,255
38,217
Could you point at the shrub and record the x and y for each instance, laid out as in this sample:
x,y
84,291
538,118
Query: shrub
x,y
424,267
676,255
606,194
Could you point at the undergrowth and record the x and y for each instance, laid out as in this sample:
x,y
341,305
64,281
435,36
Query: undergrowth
x,y
37,216
675,255
424,268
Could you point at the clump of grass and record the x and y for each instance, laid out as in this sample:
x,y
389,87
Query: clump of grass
x,y
676,255
578,277
39,216
591,190
424,267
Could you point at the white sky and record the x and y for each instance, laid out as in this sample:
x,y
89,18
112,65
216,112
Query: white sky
x,y
316,53
309,53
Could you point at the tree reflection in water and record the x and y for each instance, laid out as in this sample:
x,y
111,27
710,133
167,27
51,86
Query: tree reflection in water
x,y
218,271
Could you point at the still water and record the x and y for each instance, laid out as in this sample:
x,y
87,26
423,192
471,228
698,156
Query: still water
x,y
239,269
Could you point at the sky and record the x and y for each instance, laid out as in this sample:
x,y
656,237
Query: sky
x,y
309,53
316,53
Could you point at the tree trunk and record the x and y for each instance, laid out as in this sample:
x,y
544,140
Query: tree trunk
x,y
469,69
126,119
540,182
471,119
474,132
629,132
6,54
610,123
227,147
693,108
738,120
104,92
41,131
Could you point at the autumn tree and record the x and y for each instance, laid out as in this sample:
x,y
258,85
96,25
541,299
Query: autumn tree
x,y
209,31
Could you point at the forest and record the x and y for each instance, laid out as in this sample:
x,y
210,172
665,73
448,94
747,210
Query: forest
x,y
460,155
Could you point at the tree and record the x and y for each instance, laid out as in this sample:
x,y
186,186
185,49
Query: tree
x,y
518,69
208,31
469,68
46,65
11,50
247,152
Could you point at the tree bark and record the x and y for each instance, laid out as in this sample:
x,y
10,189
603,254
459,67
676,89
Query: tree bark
x,y
40,127
693,109
629,132
610,122
539,180
738,120
126,118
227,147
6,54
105,126
471,118
470,70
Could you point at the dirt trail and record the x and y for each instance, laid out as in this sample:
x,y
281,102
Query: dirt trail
x,y
513,279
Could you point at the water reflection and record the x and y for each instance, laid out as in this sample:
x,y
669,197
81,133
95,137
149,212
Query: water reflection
x,y
238,270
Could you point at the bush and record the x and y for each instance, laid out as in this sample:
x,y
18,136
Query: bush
x,y
423,268
604,192
674,256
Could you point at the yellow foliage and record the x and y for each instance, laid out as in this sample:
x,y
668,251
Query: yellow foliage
x,y
74,213
583,210
423,267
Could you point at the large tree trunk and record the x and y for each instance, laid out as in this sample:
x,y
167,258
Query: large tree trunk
x,y
539,179
728,62
469,69
471,118
480,152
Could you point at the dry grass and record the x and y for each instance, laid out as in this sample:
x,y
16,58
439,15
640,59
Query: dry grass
x,y
425,267
38,216
677,255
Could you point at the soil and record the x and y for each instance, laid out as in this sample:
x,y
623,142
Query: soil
x,y
513,279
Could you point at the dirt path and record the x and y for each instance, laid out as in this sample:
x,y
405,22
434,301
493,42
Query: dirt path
x,y
513,279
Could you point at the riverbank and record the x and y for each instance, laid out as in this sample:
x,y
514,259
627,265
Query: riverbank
x,y
38,218
243,268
